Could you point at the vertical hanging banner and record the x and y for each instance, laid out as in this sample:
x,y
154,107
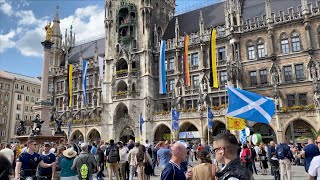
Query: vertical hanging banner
x,y
213,62
101,76
141,121
70,69
69,129
84,80
175,115
162,69
185,60
210,118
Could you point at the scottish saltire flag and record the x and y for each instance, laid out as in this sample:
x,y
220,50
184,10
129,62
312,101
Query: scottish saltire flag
x,y
162,69
141,121
210,118
175,115
250,106
101,76
69,129
84,80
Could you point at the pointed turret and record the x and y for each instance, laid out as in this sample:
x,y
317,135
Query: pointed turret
x,y
177,30
56,29
268,12
201,25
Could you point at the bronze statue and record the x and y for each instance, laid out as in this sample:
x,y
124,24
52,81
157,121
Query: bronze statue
x,y
21,130
37,122
59,123
48,29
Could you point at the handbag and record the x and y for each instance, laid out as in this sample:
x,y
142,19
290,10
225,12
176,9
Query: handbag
x,y
147,166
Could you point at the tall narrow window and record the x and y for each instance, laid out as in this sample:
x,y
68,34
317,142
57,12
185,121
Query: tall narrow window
x,y
253,78
287,73
223,78
215,101
171,85
302,99
222,54
285,46
171,64
251,54
263,77
194,59
299,72
295,40
291,100
196,82
261,51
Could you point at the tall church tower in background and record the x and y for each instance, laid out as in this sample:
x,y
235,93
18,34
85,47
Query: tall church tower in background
x,y
133,30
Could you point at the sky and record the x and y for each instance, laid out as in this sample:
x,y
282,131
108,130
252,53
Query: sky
x,y
22,27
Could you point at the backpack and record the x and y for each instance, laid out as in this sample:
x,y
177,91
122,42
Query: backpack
x,y
140,157
282,151
84,169
113,156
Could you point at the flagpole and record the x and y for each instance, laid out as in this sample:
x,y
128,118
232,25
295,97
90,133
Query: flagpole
x,y
208,125
225,105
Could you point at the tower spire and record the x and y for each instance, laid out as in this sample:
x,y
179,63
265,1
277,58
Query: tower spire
x,y
56,18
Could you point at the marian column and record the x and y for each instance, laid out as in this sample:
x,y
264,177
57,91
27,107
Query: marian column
x,y
44,106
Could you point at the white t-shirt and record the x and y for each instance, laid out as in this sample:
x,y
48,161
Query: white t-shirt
x,y
257,149
314,168
8,153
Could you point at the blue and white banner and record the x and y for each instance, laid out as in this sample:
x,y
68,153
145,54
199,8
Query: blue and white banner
x,y
175,115
210,118
243,136
250,106
69,129
162,68
84,80
101,76
141,121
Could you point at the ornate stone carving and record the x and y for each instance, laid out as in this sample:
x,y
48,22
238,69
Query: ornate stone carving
x,y
21,130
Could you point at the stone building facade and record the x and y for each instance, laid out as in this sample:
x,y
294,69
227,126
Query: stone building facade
x,y
269,47
18,94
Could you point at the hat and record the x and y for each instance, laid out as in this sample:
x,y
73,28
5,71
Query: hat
x,y
69,153
47,143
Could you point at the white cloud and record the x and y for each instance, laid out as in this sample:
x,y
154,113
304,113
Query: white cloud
x,y
26,18
6,41
6,8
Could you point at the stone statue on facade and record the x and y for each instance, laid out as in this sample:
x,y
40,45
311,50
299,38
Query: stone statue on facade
x,y
48,29
316,98
37,122
21,130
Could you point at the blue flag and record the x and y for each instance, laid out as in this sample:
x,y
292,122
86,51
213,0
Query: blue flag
x,y
69,129
162,69
243,136
141,121
175,115
84,80
250,106
210,118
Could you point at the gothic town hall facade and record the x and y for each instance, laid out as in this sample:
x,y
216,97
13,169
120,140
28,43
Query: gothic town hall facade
x,y
269,47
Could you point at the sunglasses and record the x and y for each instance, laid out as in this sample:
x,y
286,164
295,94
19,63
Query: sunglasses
x,y
215,149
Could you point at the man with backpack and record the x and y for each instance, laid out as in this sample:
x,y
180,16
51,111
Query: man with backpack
x,y
113,158
285,156
85,164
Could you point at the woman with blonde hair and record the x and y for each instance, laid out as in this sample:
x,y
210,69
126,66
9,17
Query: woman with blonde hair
x,y
205,170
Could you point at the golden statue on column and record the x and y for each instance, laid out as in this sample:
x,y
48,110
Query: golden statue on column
x,y
48,29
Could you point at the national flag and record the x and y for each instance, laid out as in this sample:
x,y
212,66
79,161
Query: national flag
x,y
175,115
235,123
213,60
243,136
162,69
141,121
185,60
210,118
101,76
84,80
70,69
250,106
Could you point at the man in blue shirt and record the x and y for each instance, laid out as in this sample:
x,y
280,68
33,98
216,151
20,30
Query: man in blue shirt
x,y
28,162
93,150
163,155
311,150
47,157
173,169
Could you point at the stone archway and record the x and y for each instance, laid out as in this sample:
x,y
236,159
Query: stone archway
x,y
77,136
302,130
94,135
266,132
122,120
189,132
162,132
126,134
218,128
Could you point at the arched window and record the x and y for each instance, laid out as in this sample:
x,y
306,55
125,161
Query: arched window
x,y
261,48
284,43
295,40
250,49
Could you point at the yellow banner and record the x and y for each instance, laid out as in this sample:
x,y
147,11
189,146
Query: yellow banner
x,y
214,58
235,123
70,85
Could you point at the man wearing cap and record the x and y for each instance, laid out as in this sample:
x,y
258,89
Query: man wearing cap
x,y
28,162
47,157
85,158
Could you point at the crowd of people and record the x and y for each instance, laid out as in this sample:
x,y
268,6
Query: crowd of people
x,y
223,159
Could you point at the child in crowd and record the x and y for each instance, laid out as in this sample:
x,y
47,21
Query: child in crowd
x,y
275,171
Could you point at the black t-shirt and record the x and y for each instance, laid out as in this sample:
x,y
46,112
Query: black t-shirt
x,y
48,158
